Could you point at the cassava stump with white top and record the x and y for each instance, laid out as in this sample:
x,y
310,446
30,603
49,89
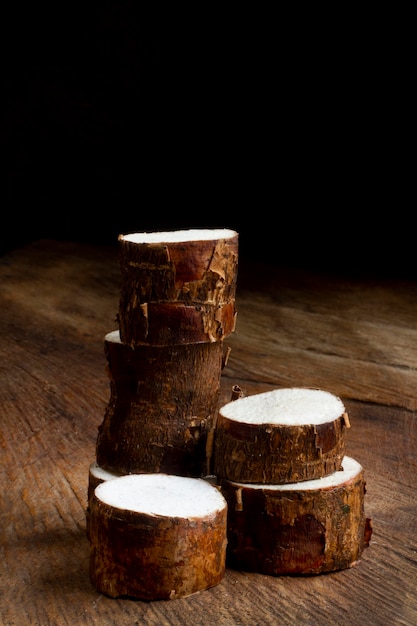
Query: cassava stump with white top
x,y
281,436
177,286
157,536
309,527
163,400
96,476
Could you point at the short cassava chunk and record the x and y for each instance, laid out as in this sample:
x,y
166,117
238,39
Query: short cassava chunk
x,y
177,286
157,536
162,405
309,527
280,436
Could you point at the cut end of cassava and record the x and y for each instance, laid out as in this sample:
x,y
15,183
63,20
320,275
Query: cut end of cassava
x,y
287,407
100,475
157,536
308,527
161,494
112,337
96,476
281,436
178,236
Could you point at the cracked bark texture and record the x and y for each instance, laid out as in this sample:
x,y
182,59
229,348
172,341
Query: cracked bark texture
x,y
163,402
308,529
180,291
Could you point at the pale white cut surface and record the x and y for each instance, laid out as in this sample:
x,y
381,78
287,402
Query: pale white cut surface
x,y
162,494
113,337
288,406
102,474
193,234
351,468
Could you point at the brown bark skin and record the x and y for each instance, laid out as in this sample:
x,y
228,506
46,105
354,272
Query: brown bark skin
x,y
164,324
296,532
179,292
163,401
152,557
276,454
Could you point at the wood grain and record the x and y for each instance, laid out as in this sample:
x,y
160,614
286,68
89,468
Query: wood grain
x,y
356,338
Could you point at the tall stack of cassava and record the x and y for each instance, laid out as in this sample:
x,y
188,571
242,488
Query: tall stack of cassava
x,y
295,500
285,500
157,530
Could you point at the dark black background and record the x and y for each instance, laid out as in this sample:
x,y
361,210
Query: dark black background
x,y
289,129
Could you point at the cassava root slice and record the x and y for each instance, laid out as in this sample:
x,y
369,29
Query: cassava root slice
x,y
163,400
280,436
177,286
157,536
310,527
96,476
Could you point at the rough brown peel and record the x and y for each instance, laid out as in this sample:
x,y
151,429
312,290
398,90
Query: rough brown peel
x,y
304,528
162,405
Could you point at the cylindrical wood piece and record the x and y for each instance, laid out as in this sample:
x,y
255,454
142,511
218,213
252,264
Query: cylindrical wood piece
x,y
157,537
162,405
280,436
178,286
310,527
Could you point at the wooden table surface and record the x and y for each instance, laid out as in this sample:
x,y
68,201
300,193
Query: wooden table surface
x,y
354,337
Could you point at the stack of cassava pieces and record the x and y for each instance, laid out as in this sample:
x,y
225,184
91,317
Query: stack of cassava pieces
x,y
287,499
295,500
157,530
